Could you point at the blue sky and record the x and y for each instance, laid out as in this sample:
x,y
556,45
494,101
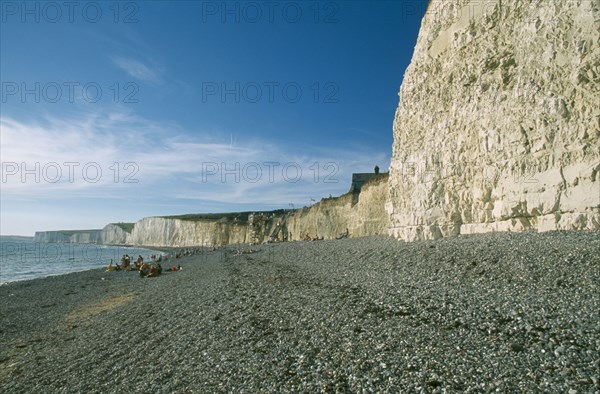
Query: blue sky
x,y
116,111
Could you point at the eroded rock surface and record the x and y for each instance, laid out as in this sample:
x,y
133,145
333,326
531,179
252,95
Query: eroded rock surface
x,y
498,123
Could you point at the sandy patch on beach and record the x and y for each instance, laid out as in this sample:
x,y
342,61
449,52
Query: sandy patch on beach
x,y
29,343
96,308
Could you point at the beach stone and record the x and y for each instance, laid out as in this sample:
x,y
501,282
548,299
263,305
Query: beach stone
x,y
497,126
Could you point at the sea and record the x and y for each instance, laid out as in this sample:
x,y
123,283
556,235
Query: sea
x,y
21,258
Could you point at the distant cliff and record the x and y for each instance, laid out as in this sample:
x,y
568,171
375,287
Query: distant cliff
x,y
50,236
111,234
362,213
160,231
69,236
116,233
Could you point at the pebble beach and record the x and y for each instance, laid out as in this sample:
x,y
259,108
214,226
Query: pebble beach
x,y
499,312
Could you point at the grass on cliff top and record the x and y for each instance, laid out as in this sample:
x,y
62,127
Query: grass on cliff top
x,y
375,180
68,233
127,227
241,217
381,177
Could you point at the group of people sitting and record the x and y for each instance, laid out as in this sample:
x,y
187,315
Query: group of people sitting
x,y
146,270
153,270
307,237
150,271
126,261
344,234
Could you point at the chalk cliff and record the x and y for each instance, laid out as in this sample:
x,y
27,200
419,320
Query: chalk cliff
x,y
111,234
497,129
157,231
115,234
50,236
71,236
361,213
498,124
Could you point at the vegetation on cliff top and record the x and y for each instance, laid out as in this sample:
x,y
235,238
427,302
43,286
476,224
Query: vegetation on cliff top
x,y
381,177
241,217
68,233
127,227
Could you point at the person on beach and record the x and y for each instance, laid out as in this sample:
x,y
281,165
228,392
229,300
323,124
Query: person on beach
x,y
144,270
155,270
150,271
127,261
139,262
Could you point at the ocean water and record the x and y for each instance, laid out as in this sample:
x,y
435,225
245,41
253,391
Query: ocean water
x,y
21,258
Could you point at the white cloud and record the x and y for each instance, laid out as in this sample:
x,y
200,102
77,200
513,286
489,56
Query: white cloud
x,y
137,69
170,165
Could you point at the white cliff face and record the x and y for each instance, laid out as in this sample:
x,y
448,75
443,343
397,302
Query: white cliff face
x,y
498,125
362,214
112,234
86,237
77,236
50,237
156,231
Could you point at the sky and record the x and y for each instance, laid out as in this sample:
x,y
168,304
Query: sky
x,y
115,111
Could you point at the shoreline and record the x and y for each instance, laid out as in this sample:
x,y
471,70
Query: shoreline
x,y
509,311
21,269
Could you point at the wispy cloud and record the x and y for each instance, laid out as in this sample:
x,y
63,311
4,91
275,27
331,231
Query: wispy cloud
x,y
138,70
151,160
